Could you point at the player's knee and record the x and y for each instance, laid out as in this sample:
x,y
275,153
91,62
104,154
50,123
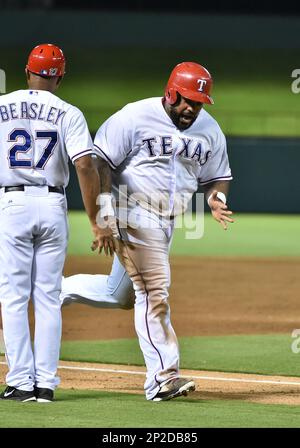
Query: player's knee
x,y
126,301
159,294
157,297
160,307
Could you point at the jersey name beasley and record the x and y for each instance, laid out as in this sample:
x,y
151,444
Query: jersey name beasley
x,y
38,133
150,155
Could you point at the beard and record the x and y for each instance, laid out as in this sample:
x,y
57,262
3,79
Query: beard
x,y
181,121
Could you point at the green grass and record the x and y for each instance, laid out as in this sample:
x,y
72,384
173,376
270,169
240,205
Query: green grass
x,y
251,97
254,235
266,354
269,354
94,409
241,109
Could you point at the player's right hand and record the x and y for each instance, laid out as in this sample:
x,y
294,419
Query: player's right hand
x,y
103,240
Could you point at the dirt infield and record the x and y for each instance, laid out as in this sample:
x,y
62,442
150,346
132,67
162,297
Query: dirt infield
x,y
208,296
209,385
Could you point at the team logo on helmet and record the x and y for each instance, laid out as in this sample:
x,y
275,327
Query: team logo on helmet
x,y
190,80
52,71
201,83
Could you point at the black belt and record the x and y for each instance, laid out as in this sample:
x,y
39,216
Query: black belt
x,y
22,188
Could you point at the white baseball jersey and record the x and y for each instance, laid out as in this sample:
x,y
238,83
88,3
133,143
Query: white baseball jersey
x,y
38,133
151,156
148,154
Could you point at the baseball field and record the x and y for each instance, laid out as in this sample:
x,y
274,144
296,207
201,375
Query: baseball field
x,y
234,295
235,308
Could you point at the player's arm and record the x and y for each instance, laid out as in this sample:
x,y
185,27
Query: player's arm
x,y
106,220
89,183
79,146
89,186
112,144
104,171
216,194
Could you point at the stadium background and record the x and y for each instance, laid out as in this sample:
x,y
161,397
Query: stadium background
x,y
234,296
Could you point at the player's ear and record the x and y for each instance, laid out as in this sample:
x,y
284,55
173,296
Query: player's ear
x,y
178,99
27,72
59,79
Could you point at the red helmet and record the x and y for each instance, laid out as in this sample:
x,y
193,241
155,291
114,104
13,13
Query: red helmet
x,y
47,60
192,81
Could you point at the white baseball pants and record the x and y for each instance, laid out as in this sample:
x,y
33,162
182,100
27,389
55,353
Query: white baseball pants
x,y
148,269
33,243
102,291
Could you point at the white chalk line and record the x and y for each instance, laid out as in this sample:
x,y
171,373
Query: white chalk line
x,y
198,377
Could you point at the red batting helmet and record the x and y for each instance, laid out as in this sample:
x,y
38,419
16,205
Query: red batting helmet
x,y
46,60
192,81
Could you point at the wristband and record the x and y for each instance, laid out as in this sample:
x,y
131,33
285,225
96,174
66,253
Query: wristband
x,y
106,202
220,196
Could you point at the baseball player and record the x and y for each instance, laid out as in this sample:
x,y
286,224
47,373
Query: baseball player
x,y
152,155
38,132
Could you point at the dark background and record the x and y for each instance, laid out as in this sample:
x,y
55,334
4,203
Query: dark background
x,y
106,41
267,7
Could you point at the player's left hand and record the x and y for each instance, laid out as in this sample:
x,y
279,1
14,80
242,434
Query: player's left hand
x,y
219,210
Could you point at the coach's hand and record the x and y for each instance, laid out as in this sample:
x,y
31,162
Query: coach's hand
x,y
104,239
219,210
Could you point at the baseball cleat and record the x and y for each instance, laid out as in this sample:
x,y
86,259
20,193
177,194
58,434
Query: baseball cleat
x,y
175,388
12,393
44,395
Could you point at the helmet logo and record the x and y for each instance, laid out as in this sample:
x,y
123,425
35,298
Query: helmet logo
x,y
52,71
201,83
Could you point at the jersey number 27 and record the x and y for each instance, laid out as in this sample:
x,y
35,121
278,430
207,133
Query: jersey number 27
x,y
26,145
